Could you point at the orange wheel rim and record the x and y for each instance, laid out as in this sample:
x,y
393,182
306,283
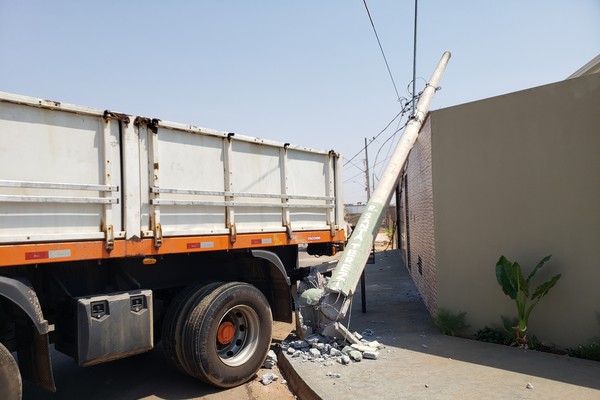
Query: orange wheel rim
x,y
225,333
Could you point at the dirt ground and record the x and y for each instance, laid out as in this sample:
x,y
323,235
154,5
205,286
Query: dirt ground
x,y
255,389
148,377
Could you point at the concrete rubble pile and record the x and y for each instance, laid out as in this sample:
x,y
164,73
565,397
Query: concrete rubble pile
x,y
329,351
326,341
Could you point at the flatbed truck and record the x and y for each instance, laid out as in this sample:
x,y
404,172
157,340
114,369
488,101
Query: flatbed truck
x,y
119,231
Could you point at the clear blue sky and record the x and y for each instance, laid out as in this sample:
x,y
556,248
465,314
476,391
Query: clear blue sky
x,y
306,72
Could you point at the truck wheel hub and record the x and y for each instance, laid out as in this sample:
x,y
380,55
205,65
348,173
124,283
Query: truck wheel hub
x,y
226,332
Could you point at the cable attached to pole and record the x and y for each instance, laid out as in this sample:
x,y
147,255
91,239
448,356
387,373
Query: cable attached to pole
x,y
381,48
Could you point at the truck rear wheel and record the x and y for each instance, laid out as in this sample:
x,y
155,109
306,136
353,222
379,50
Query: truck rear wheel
x,y
174,319
227,334
10,379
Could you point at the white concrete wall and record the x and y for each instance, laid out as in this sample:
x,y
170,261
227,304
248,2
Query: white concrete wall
x,y
519,175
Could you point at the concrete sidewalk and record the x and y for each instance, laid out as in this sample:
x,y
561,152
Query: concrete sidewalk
x,y
420,363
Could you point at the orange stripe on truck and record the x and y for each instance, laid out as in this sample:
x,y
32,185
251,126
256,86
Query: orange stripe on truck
x,y
44,253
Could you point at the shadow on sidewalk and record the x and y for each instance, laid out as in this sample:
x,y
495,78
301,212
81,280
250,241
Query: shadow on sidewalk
x,y
398,318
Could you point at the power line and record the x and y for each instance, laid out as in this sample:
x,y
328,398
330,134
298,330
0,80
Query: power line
x,y
414,59
381,48
381,147
355,176
354,165
376,136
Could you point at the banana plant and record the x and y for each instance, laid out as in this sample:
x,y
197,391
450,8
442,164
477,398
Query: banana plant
x,y
515,286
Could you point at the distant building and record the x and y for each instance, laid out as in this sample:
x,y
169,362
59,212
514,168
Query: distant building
x,y
352,209
515,175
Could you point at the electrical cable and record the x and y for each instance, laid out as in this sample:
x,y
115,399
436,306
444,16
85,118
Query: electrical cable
x,y
354,165
376,136
355,176
381,48
398,128
387,155
381,147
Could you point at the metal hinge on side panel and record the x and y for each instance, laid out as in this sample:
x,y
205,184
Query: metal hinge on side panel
x,y
158,235
108,115
152,123
110,238
232,233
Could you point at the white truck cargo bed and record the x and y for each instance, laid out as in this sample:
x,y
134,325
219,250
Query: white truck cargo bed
x,y
70,173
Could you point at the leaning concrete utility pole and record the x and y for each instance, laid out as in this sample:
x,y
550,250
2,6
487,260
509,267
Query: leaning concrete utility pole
x,y
334,300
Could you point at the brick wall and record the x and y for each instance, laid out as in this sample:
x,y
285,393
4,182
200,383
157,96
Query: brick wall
x,y
419,209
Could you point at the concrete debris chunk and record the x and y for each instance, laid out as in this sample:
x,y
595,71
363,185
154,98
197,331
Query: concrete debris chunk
x,y
291,350
339,331
334,352
314,353
529,385
315,339
300,344
297,353
371,355
267,379
362,347
375,344
334,375
271,360
344,360
356,355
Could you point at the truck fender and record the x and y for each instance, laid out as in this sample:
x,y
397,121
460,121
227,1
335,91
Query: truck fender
x,y
281,301
273,259
24,296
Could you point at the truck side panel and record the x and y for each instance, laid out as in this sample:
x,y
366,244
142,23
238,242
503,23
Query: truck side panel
x,y
202,183
78,183
60,175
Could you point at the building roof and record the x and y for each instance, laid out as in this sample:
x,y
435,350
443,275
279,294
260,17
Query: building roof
x,y
592,67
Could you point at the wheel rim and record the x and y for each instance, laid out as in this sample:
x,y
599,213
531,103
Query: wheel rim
x,y
237,335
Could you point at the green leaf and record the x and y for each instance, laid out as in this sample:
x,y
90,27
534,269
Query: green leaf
x,y
545,287
523,285
540,265
505,274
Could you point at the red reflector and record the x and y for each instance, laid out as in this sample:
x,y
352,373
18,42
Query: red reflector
x,y
256,241
36,255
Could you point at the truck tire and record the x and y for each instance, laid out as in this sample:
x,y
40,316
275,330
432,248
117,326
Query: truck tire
x,y
173,321
11,387
227,334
